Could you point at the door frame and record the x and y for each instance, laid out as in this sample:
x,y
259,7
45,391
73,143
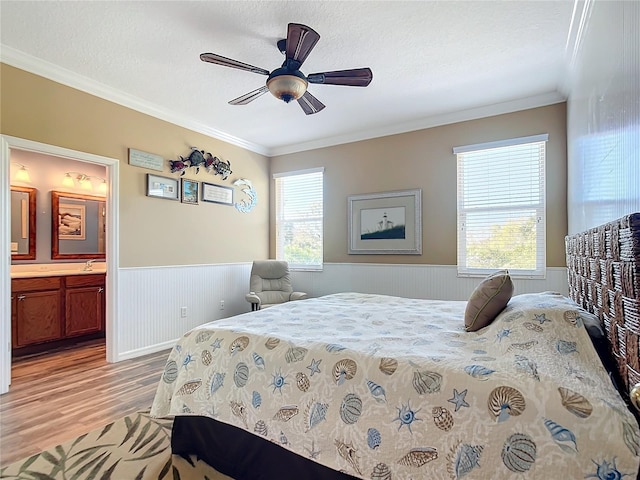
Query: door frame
x,y
8,143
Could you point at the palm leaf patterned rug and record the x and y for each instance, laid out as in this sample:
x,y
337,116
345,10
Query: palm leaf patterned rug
x,y
136,447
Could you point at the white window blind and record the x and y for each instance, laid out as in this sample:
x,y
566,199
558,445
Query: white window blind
x,y
299,218
501,207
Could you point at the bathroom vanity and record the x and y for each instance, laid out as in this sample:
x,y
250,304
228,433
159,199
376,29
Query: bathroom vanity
x,y
55,308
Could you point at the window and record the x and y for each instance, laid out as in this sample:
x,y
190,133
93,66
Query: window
x,y
501,207
299,218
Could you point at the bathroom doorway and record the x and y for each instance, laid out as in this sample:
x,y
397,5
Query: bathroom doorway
x,y
13,144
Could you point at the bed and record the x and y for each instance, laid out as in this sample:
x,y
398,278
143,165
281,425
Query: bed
x,y
368,386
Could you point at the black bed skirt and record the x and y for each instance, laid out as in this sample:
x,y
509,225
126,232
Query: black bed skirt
x,y
242,455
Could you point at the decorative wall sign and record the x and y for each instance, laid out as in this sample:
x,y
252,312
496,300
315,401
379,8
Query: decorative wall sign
x,y
386,223
217,194
246,206
145,160
162,187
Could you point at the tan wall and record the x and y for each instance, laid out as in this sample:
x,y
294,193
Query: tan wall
x,y
161,232
424,159
152,231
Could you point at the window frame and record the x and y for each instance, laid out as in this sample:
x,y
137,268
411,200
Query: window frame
x,y
278,219
539,272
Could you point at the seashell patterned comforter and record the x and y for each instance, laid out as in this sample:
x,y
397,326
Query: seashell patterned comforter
x,y
392,388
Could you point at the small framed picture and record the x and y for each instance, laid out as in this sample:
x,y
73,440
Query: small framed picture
x,y
162,187
71,221
217,193
189,191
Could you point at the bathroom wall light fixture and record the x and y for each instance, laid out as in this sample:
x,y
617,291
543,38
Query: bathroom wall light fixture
x,y
102,188
22,175
84,181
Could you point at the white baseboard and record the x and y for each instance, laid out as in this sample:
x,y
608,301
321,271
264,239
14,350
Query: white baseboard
x,y
141,352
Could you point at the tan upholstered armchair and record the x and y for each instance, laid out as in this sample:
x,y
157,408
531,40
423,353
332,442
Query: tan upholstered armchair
x,y
270,284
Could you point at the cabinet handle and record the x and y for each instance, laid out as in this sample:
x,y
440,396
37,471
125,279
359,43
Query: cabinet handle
x,y
21,297
100,290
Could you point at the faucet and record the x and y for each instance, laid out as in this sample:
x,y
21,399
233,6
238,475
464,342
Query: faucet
x,y
88,266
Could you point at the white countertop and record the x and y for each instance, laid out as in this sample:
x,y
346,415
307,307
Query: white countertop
x,y
55,269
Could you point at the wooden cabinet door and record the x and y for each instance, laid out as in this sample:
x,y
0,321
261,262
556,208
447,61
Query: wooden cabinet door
x,y
37,317
84,310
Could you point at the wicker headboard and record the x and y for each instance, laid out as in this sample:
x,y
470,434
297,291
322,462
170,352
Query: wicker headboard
x,y
604,278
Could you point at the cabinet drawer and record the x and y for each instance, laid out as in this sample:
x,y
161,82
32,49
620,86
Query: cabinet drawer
x,y
85,280
35,284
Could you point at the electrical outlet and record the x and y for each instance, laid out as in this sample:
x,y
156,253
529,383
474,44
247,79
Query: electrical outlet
x,y
221,304
183,312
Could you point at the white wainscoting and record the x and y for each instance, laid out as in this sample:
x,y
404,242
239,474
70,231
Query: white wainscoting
x,y
437,282
151,297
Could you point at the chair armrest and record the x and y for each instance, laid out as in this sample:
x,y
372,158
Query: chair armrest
x,y
297,296
252,298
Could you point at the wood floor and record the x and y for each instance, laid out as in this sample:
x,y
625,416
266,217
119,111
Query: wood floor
x,y
58,396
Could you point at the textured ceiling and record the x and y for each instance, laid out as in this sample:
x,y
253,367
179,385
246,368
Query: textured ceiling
x,y
433,62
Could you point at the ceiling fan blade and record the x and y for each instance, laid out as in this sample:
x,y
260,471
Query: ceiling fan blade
x,y
357,77
300,41
249,97
228,62
310,104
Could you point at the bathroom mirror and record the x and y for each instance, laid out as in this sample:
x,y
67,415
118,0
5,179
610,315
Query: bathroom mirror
x,y
23,223
78,226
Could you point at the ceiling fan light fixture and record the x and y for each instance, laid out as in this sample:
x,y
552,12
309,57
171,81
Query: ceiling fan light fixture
x,y
288,83
287,87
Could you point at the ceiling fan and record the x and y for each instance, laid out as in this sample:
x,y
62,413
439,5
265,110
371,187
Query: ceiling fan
x,y
288,82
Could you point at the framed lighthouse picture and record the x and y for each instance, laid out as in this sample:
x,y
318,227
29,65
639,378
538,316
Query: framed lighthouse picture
x,y
387,223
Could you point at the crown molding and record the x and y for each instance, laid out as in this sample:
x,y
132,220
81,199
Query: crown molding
x,y
23,61
543,100
31,64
